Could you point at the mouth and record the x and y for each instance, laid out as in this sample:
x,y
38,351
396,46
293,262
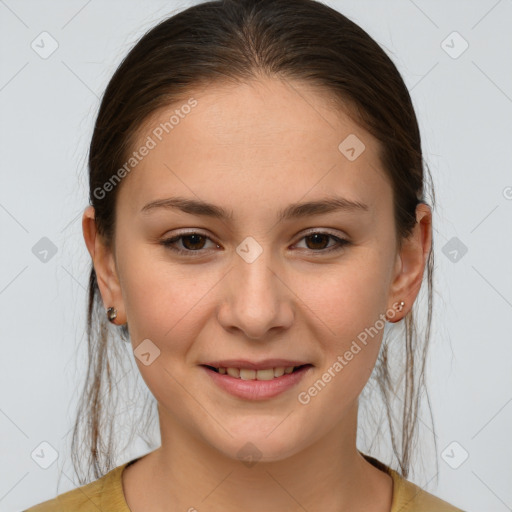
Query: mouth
x,y
263,374
252,384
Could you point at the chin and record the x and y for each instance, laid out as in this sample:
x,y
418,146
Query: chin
x,y
250,446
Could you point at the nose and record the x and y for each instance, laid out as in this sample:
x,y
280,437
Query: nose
x,y
257,300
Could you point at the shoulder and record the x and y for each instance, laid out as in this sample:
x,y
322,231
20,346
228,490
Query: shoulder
x,y
106,493
408,497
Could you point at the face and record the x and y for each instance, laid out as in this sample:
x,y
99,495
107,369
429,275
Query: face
x,y
266,281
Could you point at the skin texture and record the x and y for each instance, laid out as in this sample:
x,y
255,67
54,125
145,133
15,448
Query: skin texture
x,y
253,149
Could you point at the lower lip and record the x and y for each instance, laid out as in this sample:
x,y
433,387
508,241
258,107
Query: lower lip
x,y
257,389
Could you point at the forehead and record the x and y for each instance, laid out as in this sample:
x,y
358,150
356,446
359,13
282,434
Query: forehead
x,y
264,141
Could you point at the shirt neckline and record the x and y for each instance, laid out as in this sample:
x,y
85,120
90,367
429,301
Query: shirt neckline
x,y
114,479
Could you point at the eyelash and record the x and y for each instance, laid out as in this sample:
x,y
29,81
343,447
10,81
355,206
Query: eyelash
x,y
168,243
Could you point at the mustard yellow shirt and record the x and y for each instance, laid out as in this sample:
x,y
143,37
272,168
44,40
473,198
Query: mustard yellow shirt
x,y
106,495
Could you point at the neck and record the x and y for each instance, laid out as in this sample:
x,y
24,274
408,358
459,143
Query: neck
x,y
330,475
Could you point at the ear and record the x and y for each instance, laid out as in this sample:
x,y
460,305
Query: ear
x,y
411,262
104,266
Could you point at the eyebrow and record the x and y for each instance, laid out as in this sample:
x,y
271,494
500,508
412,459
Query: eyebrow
x,y
293,211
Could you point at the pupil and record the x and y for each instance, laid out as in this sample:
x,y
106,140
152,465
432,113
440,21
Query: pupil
x,y
195,238
316,236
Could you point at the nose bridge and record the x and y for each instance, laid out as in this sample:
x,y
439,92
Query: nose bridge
x,y
255,275
255,282
258,300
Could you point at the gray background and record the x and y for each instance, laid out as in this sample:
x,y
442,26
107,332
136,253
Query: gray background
x,y
464,104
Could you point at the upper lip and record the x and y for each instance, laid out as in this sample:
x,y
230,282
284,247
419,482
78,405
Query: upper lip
x,y
260,365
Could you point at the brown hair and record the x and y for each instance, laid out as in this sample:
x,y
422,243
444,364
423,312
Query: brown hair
x,y
239,40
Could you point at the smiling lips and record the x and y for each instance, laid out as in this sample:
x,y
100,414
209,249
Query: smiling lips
x,y
256,384
249,374
246,370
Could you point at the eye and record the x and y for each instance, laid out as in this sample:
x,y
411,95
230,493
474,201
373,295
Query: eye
x,y
193,242
316,240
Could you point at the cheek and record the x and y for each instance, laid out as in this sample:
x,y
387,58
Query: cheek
x,y
347,298
349,348
345,308
167,304
164,301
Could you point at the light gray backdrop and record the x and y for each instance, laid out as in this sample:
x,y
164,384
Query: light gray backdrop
x,y
56,59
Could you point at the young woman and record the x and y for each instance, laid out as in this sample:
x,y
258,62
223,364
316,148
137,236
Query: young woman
x,y
258,216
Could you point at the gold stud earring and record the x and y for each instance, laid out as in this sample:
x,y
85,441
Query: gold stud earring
x,y
111,314
392,311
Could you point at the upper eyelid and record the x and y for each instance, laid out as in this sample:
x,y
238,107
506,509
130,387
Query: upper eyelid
x,y
303,234
323,231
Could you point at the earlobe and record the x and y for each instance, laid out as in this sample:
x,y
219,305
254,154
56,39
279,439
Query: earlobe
x,y
104,265
412,260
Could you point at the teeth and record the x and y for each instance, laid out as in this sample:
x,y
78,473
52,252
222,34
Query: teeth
x,y
279,371
247,374
234,372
